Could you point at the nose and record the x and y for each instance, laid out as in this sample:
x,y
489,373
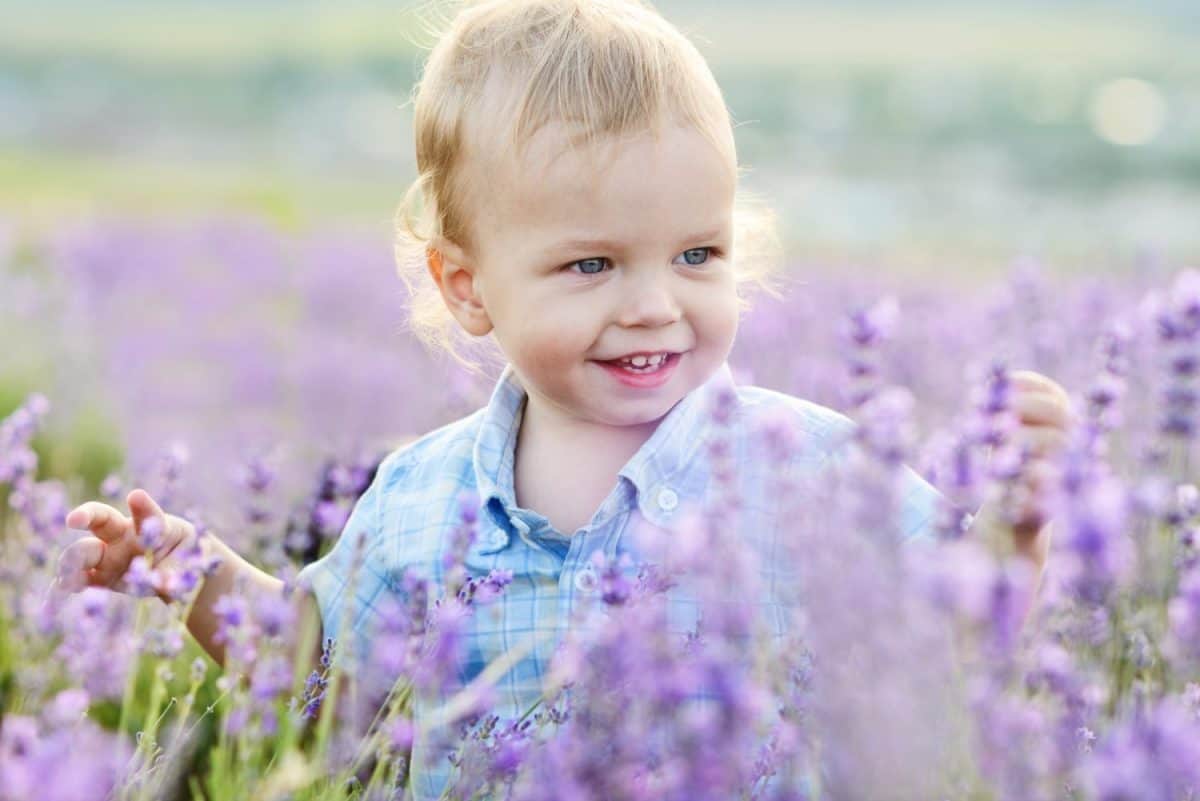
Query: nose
x,y
649,302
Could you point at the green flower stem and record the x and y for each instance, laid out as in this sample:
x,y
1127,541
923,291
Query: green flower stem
x,y
139,621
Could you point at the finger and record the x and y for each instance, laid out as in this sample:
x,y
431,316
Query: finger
x,y
1040,408
151,522
102,520
1032,493
1029,380
142,506
1039,475
76,561
81,555
1042,441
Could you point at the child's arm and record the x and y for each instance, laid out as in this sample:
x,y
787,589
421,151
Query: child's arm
x,y
1045,424
102,560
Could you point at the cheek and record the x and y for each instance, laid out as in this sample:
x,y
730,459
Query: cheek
x,y
548,339
720,314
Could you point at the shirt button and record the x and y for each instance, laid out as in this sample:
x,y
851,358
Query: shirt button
x,y
585,579
667,499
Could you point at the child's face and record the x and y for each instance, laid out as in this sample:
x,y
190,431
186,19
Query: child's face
x,y
656,278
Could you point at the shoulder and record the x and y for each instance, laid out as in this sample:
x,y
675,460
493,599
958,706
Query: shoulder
x,y
415,492
444,451
789,421
812,437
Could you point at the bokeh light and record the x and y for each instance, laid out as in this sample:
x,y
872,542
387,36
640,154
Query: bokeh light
x,y
1128,111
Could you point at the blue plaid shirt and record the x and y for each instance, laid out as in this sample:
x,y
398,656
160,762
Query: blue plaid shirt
x,y
412,505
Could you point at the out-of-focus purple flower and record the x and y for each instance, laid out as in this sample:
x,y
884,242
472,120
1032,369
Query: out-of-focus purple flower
x,y
885,425
330,517
1015,751
615,576
230,611
236,719
1183,613
1177,327
1011,584
271,678
957,471
111,486
255,475
781,436
461,539
350,480
198,670
141,579
96,649
151,533
397,637
401,733
862,332
491,587
75,762
274,614
1153,756
164,642
189,564
963,578
316,683
440,663
166,472
17,459
42,505
1093,546
1109,385
1191,698
67,708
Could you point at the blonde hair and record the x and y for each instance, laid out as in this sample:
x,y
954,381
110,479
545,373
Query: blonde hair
x,y
608,68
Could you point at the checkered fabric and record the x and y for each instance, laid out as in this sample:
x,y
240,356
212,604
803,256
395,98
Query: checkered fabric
x,y
408,512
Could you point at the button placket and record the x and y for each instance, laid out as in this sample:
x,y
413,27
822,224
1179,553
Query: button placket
x,y
586,580
667,499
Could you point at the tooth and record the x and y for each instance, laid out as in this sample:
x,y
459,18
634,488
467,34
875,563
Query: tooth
x,y
639,361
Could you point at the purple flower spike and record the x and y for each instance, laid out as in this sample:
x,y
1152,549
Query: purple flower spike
x,y
151,533
141,579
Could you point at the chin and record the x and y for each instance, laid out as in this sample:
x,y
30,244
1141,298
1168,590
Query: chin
x,y
636,414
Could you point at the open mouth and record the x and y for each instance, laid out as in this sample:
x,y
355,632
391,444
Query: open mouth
x,y
644,370
644,364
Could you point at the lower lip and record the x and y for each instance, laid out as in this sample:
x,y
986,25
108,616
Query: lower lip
x,y
644,380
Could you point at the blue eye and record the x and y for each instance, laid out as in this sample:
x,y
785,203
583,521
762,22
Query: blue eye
x,y
701,256
584,270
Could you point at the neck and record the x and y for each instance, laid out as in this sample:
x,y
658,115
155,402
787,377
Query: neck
x,y
548,431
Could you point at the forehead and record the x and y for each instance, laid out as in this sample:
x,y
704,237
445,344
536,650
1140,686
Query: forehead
x,y
617,184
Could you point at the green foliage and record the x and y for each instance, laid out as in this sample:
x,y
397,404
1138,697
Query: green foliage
x,y
84,448
7,661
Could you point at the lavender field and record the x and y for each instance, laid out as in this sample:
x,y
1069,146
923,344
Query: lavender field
x,y
198,297
251,377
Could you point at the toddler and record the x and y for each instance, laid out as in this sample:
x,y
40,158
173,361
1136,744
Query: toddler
x,y
579,203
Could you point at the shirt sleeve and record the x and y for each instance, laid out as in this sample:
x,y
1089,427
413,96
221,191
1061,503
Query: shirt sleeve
x,y
918,508
348,580
919,501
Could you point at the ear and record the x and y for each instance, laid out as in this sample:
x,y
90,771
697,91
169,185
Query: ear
x,y
454,273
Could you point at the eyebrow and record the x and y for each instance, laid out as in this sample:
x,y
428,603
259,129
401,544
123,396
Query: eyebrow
x,y
608,244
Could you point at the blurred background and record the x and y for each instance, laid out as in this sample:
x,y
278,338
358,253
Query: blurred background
x,y
196,197
924,133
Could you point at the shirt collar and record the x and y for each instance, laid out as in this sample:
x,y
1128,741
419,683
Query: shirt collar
x,y
674,446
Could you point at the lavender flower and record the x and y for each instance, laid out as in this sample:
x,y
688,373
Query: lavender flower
x,y
1156,755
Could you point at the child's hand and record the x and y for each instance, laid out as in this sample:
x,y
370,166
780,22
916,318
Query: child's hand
x,y
103,558
1044,415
